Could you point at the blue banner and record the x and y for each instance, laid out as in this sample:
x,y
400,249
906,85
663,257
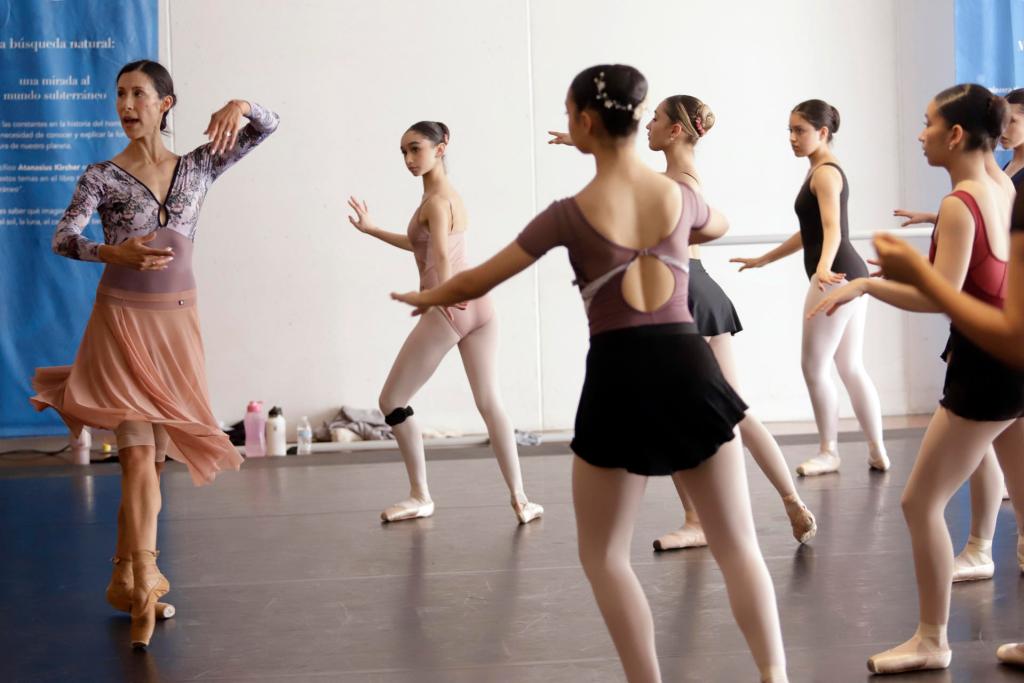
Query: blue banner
x,y
990,46
58,62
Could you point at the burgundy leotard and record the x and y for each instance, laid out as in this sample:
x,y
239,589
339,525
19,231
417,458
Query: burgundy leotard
x,y
986,275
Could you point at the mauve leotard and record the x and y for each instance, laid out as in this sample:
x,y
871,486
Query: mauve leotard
x,y
478,312
597,261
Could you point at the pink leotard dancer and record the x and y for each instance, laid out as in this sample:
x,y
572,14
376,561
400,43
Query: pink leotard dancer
x,y
437,237
476,313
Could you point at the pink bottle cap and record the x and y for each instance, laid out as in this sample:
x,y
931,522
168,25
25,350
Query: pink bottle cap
x,y
255,407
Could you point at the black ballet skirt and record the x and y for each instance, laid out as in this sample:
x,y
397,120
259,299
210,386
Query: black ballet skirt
x,y
654,401
978,386
711,308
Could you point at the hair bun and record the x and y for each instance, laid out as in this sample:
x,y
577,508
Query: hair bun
x,y
998,115
706,117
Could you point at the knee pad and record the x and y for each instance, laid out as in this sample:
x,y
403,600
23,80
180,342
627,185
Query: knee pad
x,y
398,416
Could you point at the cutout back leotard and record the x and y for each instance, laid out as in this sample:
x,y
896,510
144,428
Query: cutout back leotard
x,y
598,262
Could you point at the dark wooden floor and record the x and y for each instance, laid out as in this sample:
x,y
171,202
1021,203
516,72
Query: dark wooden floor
x,y
282,572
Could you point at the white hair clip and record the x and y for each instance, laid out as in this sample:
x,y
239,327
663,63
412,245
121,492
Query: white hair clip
x,y
609,103
638,110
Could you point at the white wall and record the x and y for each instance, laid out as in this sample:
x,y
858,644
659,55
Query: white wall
x,y
294,300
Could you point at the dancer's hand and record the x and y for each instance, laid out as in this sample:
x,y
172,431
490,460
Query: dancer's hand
x,y
414,299
362,220
225,124
843,295
826,278
133,253
899,261
559,138
878,264
914,217
749,262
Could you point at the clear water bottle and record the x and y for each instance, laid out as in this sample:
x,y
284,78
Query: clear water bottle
x,y
304,435
255,426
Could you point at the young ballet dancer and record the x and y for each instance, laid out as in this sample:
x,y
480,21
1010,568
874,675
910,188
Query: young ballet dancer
x,y
678,124
140,369
829,259
983,398
1013,136
437,237
999,332
627,234
987,486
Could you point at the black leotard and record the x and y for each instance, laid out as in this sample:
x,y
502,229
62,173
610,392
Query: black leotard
x,y
847,259
1017,178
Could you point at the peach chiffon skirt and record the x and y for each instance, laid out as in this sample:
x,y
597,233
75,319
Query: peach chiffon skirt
x,y
141,358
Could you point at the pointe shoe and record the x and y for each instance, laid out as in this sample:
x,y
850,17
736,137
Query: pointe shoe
x,y
879,461
150,585
1011,653
119,590
965,571
822,463
893,663
803,523
525,510
407,509
685,537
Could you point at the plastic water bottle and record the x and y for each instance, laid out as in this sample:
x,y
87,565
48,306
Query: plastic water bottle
x,y
80,447
276,427
304,435
255,424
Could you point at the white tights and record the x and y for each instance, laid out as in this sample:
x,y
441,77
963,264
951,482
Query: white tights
x,y
838,339
426,346
766,453
952,449
606,502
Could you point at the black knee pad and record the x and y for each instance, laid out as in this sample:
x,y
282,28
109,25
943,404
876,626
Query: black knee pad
x,y
398,416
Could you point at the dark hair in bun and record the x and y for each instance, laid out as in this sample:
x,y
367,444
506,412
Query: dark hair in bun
x,y
615,92
819,114
435,131
159,76
973,107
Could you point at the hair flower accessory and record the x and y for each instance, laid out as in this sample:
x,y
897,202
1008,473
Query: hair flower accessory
x,y
638,110
611,103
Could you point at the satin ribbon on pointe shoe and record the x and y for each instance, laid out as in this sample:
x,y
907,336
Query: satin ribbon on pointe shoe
x,y
150,585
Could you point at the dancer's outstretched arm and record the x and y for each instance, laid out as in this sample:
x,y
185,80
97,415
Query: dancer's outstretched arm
x,y
363,224
1000,332
954,234
472,283
793,244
